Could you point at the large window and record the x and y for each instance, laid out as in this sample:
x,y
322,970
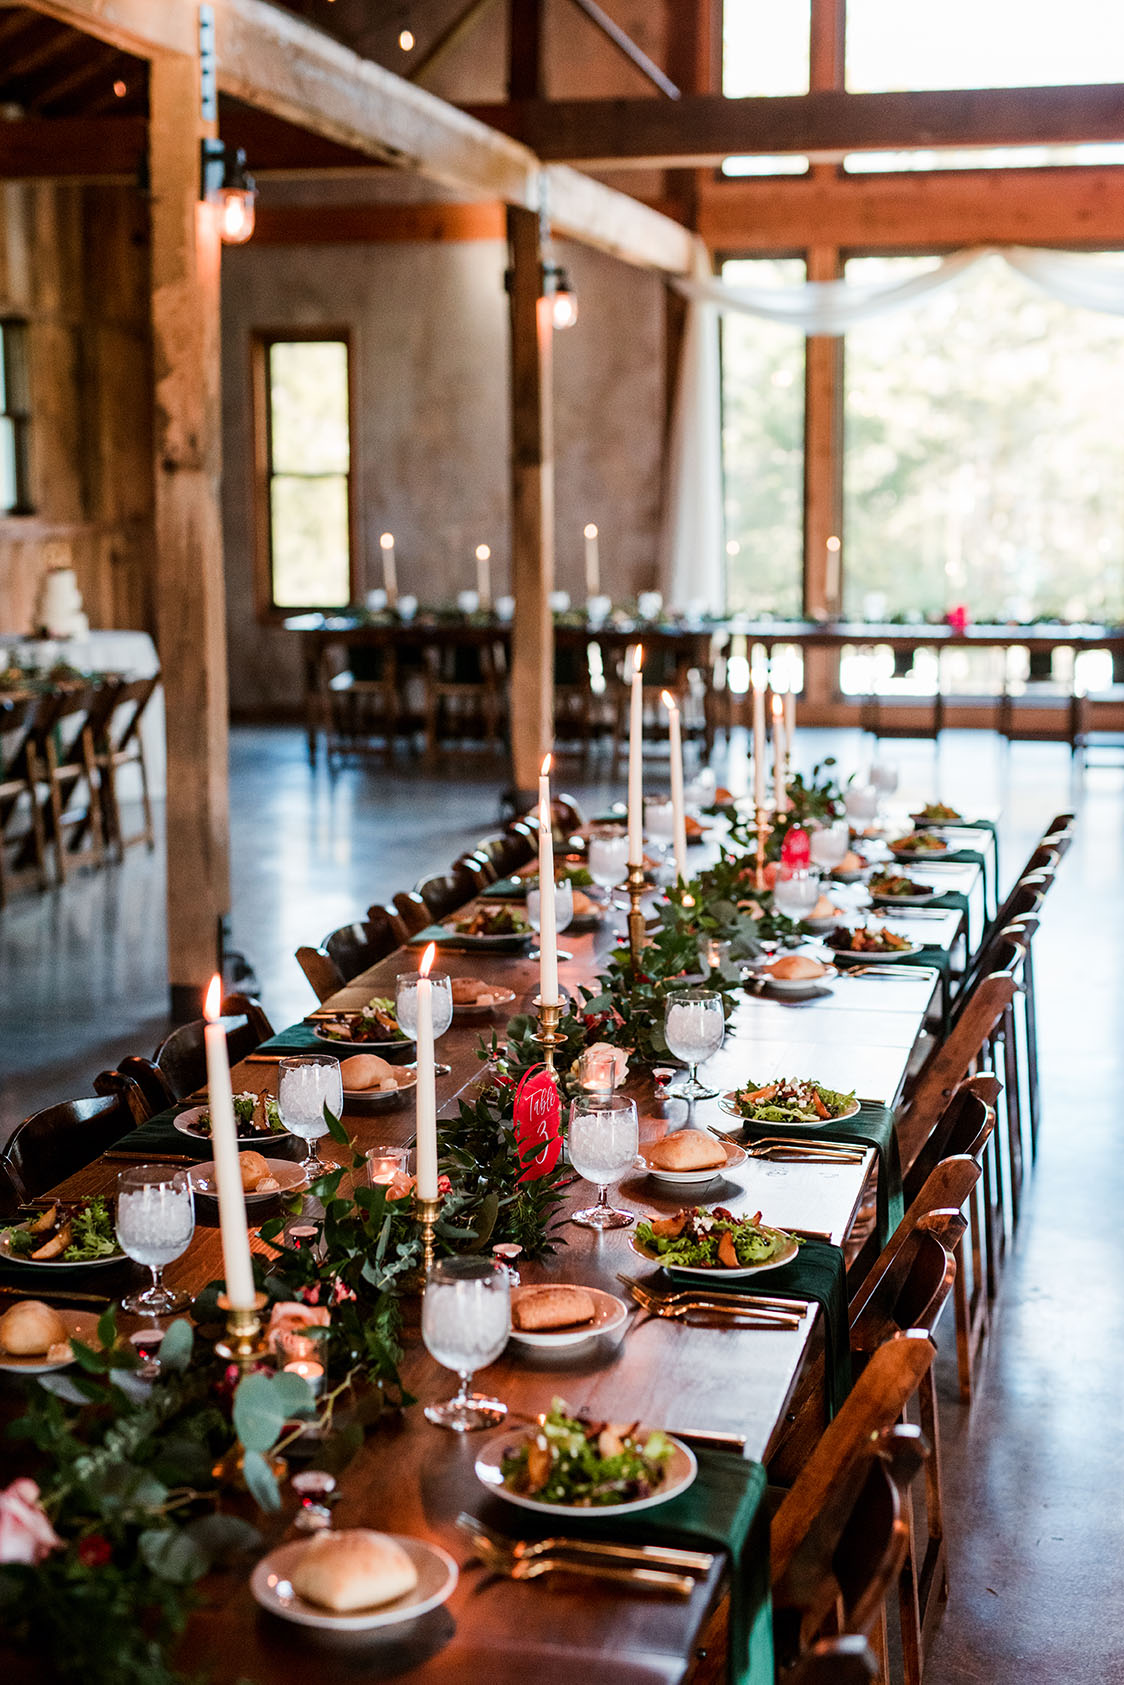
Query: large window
x,y
304,397
15,494
982,43
984,461
763,450
765,50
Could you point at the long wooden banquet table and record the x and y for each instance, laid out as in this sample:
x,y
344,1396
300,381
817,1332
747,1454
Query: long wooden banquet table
x,y
413,1478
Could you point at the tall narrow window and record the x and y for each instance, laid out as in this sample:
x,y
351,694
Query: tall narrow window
x,y
307,471
15,403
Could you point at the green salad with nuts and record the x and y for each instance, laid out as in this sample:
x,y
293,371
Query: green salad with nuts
x,y
704,1240
587,1465
790,1100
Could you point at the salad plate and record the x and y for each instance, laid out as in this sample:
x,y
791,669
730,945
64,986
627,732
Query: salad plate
x,y
609,1313
735,1155
923,845
498,998
373,1030
271,1587
92,1236
80,1325
936,813
710,1232
883,956
679,1470
789,1101
189,1123
920,899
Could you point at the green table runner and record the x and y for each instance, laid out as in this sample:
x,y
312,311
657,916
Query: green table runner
x,y
449,940
723,1509
505,889
871,1126
160,1135
819,1273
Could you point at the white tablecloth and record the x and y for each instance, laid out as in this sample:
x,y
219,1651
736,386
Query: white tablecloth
x,y
133,655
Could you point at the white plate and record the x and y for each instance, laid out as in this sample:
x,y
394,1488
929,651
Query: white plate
x,y
727,1105
824,924
905,900
922,823
380,1099
851,877
272,1588
10,1257
402,1047
80,1325
510,942
699,1272
470,1009
610,1312
291,1177
735,1155
185,1122
877,958
796,985
681,1471
921,853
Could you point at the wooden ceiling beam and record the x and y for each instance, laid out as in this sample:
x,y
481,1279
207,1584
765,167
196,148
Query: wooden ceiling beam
x,y
135,26
701,130
428,224
88,147
916,210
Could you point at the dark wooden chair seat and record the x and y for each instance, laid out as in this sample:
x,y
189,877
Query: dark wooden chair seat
x,y
53,1144
181,1055
322,971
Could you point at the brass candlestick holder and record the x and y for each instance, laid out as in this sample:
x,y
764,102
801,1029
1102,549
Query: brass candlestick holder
x,y
635,885
547,1035
428,1212
763,830
243,1344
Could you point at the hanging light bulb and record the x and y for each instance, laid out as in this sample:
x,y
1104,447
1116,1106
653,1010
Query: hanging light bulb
x,y
406,41
559,289
236,202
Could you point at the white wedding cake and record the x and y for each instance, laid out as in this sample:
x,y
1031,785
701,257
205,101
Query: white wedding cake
x,y
59,611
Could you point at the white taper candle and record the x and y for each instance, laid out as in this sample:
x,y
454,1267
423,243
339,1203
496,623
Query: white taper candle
x,y
636,760
426,1140
237,1268
678,811
592,562
548,918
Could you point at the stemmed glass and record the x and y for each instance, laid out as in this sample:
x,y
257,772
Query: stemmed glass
x,y
603,1140
884,779
155,1223
563,912
466,1319
796,893
305,1085
694,1027
608,859
861,803
440,1005
659,825
830,843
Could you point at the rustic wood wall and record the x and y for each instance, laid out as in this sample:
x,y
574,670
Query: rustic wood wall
x,y
74,262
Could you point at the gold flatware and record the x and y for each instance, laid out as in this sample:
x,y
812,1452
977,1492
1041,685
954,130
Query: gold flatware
x,y
517,1568
665,1556
60,1294
802,1155
764,1301
147,1158
262,1058
788,1143
810,1234
741,1315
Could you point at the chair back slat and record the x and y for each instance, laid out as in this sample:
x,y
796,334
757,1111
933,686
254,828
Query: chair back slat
x,y
322,972
182,1058
963,1126
53,1144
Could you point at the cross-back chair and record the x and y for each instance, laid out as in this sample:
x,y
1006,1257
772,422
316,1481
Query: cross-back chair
x,y
446,891
355,947
150,1079
73,790
507,850
53,1144
21,776
122,745
412,911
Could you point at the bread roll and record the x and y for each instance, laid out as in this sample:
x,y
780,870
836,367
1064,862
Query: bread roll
x,y
851,862
254,1169
466,989
824,908
31,1328
353,1570
366,1070
687,1149
793,967
541,1308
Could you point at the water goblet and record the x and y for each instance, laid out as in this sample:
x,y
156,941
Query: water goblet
x,y
796,893
830,843
608,858
602,1143
861,803
694,1027
466,1319
305,1085
884,779
659,825
155,1222
440,1006
563,913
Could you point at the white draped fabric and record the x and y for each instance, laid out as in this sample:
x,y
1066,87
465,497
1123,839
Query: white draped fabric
x,y
692,563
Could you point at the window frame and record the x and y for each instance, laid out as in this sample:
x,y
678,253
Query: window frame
x,y
15,350
262,340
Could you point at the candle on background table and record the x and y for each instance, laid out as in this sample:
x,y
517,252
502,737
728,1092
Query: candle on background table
x,y
389,569
678,812
592,562
484,575
636,760
757,685
308,1371
779,797
237,1268
426,1147
548,920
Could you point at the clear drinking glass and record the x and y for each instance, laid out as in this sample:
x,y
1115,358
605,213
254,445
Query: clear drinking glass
x,y
608,858
563,912
861,803
700,790
384,1163
603,1140
830,843
796,893
440,1004
694,1027
305,1085
466,1319
155,1223
884,779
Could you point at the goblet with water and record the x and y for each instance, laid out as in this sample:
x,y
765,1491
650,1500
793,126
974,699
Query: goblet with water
x,y
795,893
694,1027
830,843
602,1143
440,1006
608,859
155,1222
466,1319
305,1085
563,913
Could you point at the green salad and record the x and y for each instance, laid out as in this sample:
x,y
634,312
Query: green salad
x,y
254,1114
565,1460
698,1239
66,1234
796,1100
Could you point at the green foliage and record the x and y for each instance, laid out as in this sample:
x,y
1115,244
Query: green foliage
x,y
479,1153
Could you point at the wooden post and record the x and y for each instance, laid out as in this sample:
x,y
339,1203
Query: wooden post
x,y
189,585
532,504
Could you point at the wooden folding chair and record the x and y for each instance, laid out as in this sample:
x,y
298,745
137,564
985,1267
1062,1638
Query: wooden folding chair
x,y
507,850
53,1144
71,775
21,778
123,1085
413,912
322,972
848,1660
120,746
445,892
150,1079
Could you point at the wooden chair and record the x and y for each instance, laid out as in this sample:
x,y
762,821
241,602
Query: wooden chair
x,y
322,972
413,912
122,745
478,867
464,692
11,1194
181,1055
507,851
840,1535
834,1661
151,1081
363,701
71,775
120,1084
21,776
53,1144
445,892
354,947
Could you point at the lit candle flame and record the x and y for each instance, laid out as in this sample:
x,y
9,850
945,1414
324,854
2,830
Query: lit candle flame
x,y
778,705
483,551
212,1004
544,770
637,658
427,960
387,541
590,531
668,701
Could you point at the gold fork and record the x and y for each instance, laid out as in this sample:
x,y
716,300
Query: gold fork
x,y
740,1316
760,1301
510,1567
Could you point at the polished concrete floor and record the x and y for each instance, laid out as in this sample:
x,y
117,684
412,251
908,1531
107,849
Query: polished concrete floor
x,y
1035,1472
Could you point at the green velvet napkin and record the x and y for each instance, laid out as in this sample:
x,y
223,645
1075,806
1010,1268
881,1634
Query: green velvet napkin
x,y
819,1273
723,1509
160,1135
452,943
871,1126
298,1038
505,889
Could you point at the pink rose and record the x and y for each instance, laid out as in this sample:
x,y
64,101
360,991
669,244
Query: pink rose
x,y
286,1320
25,1533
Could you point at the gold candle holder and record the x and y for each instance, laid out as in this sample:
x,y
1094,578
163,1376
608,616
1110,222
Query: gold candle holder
x,y
763,830
243,1344
428,1212
547,1036
635,885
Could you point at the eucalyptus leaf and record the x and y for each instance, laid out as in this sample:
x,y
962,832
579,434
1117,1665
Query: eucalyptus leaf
x,y
220,1537
107,1328
172,1555
293,1394
177,1345
261,1483
129,1382
63,1387
258,1414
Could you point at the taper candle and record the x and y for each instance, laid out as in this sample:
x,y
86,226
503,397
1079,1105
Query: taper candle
x,y
636,760
779,798
389,569
678,811
484,575
426,1140
548,919
592,562
237,1268
757,684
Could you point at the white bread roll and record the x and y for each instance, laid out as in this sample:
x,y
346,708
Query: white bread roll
x,y
254,1169
358,1569
31,1328
542,1308
366,1070
465,990
794,967
687,1149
